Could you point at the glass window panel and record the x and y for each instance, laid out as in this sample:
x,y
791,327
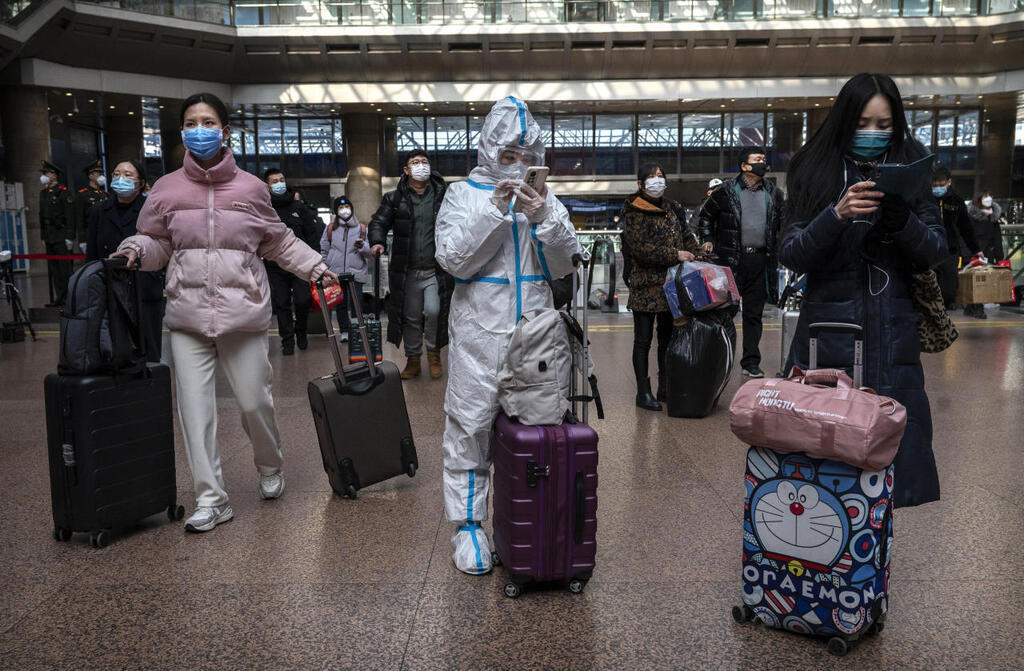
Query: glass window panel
x,y
255,12
702,142
269,140
211,11
745,129
787,132
944,137
476,122
789,9
967,141
854,8
916,7
447,144
743,9
544,121
317,148
573,152
921,126
658,140
1002,6
291,163
402,134
613,139
956,7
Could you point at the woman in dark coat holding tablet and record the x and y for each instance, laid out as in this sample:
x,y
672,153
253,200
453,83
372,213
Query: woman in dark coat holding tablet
x,y
859,248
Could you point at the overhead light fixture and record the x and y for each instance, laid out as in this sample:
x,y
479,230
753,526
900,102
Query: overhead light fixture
x,y
131,113
69,113
68,94
722,105
389,119
380,109
769,104
113,107
161,106
92,100
817,105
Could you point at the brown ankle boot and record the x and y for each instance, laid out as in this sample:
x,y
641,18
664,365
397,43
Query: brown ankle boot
x,y
412,368
434,363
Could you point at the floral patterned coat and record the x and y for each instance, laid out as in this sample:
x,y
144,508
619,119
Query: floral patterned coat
x,y
652,238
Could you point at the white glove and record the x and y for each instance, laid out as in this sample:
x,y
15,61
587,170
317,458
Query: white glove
x,y
503,192
81,246
534,205
69,244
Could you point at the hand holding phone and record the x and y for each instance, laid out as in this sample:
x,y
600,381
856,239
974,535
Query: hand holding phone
x,y
536,178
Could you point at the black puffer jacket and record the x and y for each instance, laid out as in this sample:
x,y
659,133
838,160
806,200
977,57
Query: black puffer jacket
x,y
721,224
107,225
299,217
396,214
854,277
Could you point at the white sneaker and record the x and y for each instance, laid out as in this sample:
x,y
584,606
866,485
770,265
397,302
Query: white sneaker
x,y
271,486
206,518
344,336
470,551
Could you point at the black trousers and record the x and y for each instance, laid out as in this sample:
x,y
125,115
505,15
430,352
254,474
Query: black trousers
x,y
752,282
347,308
152,328
643,333
59,271
288,292
946,274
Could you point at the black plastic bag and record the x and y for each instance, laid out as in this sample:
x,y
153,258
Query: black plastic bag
x,y
698,363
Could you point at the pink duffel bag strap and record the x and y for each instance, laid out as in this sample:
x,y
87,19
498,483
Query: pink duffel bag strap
x,y
835,376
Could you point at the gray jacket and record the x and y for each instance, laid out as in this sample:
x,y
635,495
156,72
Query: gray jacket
x,y
339,251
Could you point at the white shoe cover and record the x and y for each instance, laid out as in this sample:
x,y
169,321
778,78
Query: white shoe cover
x,y
472,553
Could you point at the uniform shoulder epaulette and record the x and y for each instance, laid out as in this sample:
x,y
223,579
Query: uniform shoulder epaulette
x,y
82,190
62,188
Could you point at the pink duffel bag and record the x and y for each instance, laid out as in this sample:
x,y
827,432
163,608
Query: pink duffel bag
x,y
801,414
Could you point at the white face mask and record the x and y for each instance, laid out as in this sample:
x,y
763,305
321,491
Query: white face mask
x,y
101,181
986,201
344,212
44,180
420,172
654,186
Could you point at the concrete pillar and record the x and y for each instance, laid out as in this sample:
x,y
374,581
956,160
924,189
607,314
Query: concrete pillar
x,y
815,118
170,135
362,135
26,136
122,134
999,119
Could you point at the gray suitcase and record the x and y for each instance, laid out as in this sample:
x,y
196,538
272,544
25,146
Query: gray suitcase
x,y
790,316
361,418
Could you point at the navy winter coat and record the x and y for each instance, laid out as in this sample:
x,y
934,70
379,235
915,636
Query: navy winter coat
x,y
865,279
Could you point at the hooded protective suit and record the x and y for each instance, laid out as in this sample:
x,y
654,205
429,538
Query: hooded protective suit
x,y
500,261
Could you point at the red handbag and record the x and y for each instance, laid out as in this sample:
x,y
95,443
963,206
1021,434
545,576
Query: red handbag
x,y
333,294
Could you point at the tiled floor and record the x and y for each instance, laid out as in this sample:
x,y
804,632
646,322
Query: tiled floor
x,y
313,581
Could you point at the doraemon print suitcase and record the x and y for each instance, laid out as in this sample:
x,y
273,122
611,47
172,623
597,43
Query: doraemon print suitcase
x,y
817,540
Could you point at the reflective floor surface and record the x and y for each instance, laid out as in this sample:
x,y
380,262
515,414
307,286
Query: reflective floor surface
x,y
314,581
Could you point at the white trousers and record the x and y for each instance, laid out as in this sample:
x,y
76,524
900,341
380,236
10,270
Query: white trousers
x,y
244,360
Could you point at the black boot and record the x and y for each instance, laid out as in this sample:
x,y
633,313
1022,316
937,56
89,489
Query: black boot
x,y
644,399
661,388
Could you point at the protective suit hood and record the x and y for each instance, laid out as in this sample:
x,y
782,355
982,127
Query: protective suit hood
x,y
509,125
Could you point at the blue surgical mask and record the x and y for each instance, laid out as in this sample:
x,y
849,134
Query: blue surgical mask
x,y
939,191
868,145
123,186
203,142
278,188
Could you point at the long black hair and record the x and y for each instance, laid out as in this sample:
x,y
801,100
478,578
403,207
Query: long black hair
x,y
815,172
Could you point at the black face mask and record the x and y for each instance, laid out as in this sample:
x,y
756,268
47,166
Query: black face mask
x,y
759,169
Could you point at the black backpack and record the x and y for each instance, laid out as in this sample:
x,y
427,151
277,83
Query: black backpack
x,y
99,325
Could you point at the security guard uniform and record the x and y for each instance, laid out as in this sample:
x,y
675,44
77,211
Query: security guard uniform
x,y
85,199
56,226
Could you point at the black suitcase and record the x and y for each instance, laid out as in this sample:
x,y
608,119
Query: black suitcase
x,y
356,352
361,419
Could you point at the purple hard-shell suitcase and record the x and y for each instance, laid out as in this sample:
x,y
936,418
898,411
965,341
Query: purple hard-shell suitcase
x,y
545,502
545,486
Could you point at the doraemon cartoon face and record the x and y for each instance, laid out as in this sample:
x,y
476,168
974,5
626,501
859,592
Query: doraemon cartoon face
x,y
799,520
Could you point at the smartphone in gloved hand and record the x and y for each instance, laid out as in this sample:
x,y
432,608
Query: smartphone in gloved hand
x,y
535,179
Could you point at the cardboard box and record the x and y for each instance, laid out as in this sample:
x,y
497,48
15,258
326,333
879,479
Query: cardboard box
x,y
985,284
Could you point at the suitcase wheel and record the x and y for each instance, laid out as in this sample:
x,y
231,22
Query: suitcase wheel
x,y
99,539
495,559
837,646
876,628
410,470
61,534
742,614
175,513
512,590
576,586
350,492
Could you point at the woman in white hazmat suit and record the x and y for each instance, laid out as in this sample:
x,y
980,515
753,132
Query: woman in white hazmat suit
x,y
500,262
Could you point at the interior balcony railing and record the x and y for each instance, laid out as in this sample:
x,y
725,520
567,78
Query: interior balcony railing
x,y
470,12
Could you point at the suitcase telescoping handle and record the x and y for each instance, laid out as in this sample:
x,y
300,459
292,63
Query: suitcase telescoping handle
x,y
838,327
581,260
349,280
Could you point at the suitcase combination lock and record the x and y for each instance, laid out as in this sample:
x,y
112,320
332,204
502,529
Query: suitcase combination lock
x,y
533,471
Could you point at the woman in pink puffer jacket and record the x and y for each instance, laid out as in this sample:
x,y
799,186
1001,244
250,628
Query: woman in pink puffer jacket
x,y
211,224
